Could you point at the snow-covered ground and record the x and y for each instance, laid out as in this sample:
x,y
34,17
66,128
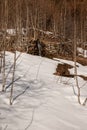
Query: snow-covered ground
x,y
41,100
82,52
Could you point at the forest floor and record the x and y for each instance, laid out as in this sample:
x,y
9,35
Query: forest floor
x,y
42,100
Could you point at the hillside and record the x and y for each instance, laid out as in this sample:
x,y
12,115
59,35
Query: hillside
x,y
42,100
43,65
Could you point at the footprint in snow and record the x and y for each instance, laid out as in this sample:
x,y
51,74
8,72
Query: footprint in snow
x,y
36,84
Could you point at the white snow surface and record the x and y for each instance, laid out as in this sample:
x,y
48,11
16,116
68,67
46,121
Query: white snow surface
x,y
82,52
41,100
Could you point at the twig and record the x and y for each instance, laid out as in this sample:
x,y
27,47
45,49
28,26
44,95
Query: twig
x,y
12,65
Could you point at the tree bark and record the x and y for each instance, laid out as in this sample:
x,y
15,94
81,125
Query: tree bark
x,y
75,51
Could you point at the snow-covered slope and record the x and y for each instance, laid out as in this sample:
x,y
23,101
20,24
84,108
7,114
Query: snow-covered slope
x,y
41,100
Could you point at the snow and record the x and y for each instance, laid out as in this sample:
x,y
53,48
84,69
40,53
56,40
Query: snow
x,y
41,100
11,31
82,52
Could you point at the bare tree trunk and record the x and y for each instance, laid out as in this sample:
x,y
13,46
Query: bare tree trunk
x,y
0,61
13,76
34,26
75,51
81,25
54,27
4,45
54,20
65,18
61,21
27,21
18,32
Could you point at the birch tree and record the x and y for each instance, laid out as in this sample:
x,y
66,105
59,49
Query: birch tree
x,y
13,77
4,43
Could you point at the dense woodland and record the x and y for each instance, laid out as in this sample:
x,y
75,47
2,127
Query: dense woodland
x,y
56,16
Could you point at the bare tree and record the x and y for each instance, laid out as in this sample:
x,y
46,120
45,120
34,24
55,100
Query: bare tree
x,y
18,33
75,59
75,51
13,77
4,43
